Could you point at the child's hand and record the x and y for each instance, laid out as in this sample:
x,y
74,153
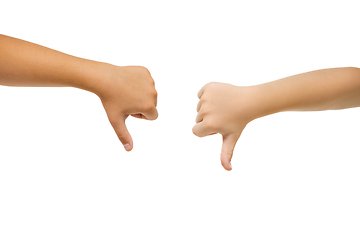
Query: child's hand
x,y
123,91
224,109
128,91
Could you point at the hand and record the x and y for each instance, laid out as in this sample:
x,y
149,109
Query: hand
x,y
224,109
128,91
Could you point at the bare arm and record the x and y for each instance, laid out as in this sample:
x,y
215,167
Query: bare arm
x,y
27,64
227,109
123,91
327,89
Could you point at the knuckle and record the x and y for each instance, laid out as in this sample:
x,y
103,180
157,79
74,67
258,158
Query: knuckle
x,y
208,123
204,111
152,114
154,93
143,69
148,106
228,152
156,116
210,85
150,80
203,101
122,136
195,131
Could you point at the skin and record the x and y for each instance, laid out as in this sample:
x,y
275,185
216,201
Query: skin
x,y
227,109
123,91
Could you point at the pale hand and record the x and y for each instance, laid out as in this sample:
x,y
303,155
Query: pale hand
x,y
224,109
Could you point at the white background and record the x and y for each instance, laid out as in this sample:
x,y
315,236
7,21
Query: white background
x,y
65,175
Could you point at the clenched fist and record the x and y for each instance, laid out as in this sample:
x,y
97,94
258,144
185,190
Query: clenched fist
x,y
224,109
128,91
123,91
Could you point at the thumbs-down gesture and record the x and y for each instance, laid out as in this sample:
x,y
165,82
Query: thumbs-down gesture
x,y
224,109
128,91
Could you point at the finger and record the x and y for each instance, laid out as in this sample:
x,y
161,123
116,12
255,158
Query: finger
x,y
199,118
155,95
201,92
151,114
123,135
201,130
138,115
198,106
148,72
229,142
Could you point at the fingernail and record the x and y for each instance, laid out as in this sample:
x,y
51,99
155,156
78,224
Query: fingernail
x,y
230,164
127,147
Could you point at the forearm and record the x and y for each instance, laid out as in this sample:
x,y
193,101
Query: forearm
x,y
325,89
123,91
227,109
26,64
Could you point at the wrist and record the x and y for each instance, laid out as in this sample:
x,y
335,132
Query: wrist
x,y
250,103
265,100
92,76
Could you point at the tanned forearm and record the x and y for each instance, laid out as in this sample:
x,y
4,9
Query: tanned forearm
x,y
123,91
27,64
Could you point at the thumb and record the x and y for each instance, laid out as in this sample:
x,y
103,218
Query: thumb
x,y
124,135
229,142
